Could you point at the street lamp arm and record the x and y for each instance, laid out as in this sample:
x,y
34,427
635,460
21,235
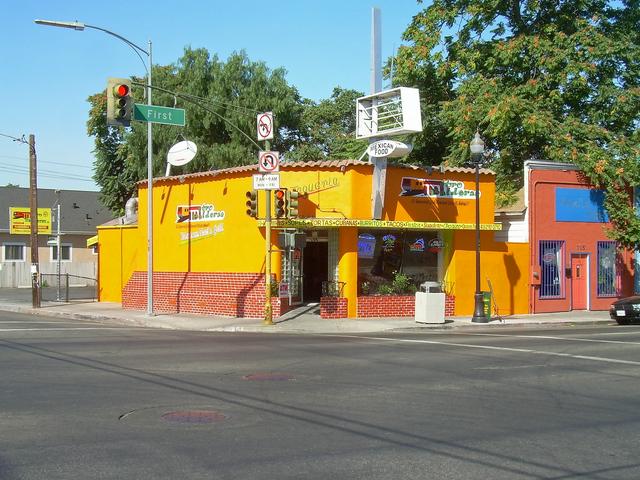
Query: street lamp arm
x,y
133,46
81,26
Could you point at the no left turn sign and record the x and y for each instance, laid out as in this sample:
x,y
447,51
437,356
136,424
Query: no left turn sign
x,y
268,162
265,126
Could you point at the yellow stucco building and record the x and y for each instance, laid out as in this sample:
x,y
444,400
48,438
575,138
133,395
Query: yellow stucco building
x,y
209,255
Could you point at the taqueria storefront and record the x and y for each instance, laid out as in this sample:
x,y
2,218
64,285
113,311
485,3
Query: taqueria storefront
x,y
209,254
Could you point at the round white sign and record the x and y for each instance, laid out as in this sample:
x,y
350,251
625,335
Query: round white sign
x,y
182,153
389,148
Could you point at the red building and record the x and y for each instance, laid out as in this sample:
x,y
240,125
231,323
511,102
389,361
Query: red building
x,y
573,264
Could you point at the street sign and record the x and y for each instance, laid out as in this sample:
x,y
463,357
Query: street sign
x,y
52,241
266,181
268,162
283,290
157,114
265,126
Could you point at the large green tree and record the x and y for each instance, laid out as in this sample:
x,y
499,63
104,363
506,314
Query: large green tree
x,y
328,128
555,80
221,98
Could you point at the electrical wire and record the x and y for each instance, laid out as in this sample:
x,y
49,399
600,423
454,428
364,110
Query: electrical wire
x,y
43,173
48,161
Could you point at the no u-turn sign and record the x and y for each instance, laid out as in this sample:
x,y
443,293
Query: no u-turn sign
x,y
268,162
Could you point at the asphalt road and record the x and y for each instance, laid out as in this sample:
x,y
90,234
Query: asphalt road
x,y
82,400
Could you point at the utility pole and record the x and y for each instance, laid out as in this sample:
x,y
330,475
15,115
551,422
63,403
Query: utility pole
x,y
58,245
33,206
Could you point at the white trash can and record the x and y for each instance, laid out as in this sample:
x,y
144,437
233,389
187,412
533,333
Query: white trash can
x,y
429,307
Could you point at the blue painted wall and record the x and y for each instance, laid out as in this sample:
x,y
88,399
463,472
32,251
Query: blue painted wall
x,y
580,205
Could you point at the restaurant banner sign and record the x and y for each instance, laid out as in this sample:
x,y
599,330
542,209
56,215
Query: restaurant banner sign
x,y
20,221
386,224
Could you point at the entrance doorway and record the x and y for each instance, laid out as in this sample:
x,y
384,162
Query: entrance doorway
x,y
315,264
579,281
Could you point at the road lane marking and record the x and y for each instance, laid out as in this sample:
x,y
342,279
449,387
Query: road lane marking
x,y
491,347
70,328
41,322
549,337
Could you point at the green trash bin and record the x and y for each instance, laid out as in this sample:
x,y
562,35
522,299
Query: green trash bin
x,y
486,300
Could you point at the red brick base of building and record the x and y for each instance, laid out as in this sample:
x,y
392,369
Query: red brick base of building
x,y
242,295
228,294
333,307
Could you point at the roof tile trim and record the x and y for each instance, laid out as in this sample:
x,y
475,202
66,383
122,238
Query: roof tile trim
x,y
312,164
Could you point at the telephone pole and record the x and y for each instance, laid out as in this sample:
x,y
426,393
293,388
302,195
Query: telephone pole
x,y
33,206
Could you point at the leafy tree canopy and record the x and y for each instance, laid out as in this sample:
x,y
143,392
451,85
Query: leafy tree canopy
x,y
221,100
328,128
540,79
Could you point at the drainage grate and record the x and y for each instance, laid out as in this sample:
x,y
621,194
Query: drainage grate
x,y
277,377
194,416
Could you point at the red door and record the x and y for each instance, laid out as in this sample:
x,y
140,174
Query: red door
x,y
579,282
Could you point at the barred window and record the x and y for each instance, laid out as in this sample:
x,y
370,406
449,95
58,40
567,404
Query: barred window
x,y
608,280
551,266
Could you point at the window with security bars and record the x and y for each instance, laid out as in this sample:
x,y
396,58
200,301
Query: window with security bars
x,y
551,267
608,276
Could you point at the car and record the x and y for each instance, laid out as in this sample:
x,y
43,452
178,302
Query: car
x,y
625,310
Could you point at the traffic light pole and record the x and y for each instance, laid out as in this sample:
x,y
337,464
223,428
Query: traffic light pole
x,y
138,50
268,310
149,197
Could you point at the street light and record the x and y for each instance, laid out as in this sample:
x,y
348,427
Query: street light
x,y
81,26
477,150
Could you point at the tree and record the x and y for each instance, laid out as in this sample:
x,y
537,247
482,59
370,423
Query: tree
x,y
114,169
221,100
328,128
547,79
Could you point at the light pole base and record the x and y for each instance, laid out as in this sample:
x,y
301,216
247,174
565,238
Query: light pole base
x,y
478,311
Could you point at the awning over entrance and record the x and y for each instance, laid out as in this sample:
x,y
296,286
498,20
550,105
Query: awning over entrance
x,y
92,241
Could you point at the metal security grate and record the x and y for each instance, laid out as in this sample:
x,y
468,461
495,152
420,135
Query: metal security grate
x,y
608,280
551,265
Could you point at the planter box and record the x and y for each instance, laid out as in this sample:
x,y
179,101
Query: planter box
x,y
396,306
386,306
333,307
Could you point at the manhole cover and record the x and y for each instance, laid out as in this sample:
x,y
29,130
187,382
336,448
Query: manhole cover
x,y
277,377
194,416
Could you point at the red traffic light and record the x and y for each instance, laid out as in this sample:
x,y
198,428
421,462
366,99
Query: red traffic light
x,y
121,90
280,203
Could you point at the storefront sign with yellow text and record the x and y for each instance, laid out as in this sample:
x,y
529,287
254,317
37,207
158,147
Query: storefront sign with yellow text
x,y
20,221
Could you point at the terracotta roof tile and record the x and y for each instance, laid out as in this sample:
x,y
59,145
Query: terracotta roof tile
x,y
332,164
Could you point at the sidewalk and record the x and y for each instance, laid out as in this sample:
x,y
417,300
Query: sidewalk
x,y
302,320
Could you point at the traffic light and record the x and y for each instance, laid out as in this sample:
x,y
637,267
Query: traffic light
x,y
252,203
119,102
281,199
292,203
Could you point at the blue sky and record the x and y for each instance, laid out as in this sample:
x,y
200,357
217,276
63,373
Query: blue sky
x,y
48,73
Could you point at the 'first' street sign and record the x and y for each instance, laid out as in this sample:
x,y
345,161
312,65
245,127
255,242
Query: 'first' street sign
x,y
156,114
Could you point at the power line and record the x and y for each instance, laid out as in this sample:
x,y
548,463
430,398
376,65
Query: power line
x,y
43,173
49,161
